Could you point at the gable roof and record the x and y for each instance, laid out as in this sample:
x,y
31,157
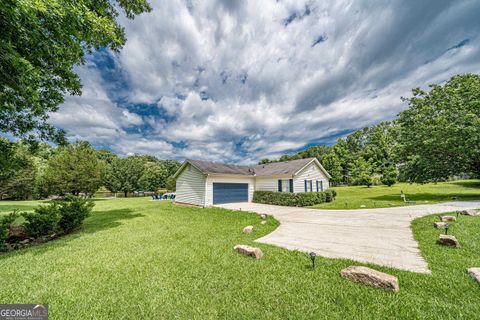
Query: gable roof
x,y
216,167
291,167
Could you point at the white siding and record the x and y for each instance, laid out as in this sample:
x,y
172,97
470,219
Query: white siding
x,y
226,179
266,184
191,186
312,172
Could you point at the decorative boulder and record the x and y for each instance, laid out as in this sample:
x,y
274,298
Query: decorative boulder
x,y
440,225
474,273
248,251
263,216
448,218
449,240
248,229
371,277
470,212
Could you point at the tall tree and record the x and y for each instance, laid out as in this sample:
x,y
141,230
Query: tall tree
x,y
40,43
123,174
154,177
439,134
75,169
361,172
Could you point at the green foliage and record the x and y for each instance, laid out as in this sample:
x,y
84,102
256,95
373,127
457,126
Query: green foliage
x,y
390,175
171,184
332,163
361,173
153,178
5,222
123,175
73,212
17,170
75,169
40,43
291,199
42,221
439,133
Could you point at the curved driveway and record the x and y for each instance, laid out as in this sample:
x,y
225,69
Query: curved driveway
x,y
380,236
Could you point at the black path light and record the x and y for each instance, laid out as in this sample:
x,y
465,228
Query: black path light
x,y
313,255
446,228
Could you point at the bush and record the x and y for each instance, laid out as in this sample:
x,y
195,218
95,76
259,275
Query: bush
x,y
72,213
328,196
334,193
5,222
290,199
43,221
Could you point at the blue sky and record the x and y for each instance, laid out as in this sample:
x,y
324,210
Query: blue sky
x,y
238,81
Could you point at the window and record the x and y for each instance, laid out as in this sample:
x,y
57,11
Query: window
x,y
308,186
285,185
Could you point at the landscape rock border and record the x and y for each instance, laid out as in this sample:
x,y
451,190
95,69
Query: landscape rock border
x,y
371,277
249,251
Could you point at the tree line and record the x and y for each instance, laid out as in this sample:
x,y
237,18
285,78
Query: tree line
x,y
436,138
38,171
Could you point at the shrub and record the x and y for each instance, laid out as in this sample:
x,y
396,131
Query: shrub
x,y
328,195
334,193
289,199
5,222
42,221
72,213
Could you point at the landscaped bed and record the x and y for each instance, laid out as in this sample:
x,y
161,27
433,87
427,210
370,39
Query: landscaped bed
x,y
136,258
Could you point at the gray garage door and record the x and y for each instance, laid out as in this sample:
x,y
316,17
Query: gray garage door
x,y
230,192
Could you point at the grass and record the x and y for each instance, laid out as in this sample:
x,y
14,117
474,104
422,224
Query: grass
x,y
140,259
383,196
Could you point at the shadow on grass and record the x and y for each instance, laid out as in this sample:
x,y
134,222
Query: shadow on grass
x,y
98,221
101,220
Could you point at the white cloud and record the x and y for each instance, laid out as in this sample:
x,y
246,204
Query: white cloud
x,y
242,80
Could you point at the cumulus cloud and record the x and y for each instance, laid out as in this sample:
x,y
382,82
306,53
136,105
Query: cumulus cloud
x,y
241,80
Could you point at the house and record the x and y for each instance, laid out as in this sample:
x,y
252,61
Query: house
x,y
205,183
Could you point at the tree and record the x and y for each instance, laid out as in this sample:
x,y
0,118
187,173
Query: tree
x,y
123,174
40,43
171,184
17,170
390,175
154,177
361,172
75,169
333,165
439,134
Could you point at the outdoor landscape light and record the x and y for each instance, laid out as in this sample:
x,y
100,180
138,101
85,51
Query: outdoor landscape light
x,y
446,228
313,255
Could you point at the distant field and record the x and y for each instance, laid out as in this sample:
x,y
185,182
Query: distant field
x,y
384,197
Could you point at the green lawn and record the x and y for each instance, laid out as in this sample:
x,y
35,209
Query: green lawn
x,y
384,197
140,259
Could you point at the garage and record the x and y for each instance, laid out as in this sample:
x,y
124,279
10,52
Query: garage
x,y
230,192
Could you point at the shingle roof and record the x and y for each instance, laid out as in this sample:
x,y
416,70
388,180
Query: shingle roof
x,y
215,167
270,169
281,168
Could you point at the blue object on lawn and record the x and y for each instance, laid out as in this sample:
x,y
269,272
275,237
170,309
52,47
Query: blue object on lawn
x,y
154,197
165,196
160,196
172,196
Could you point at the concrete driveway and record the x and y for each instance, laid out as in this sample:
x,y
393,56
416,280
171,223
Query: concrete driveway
x,y
380,236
